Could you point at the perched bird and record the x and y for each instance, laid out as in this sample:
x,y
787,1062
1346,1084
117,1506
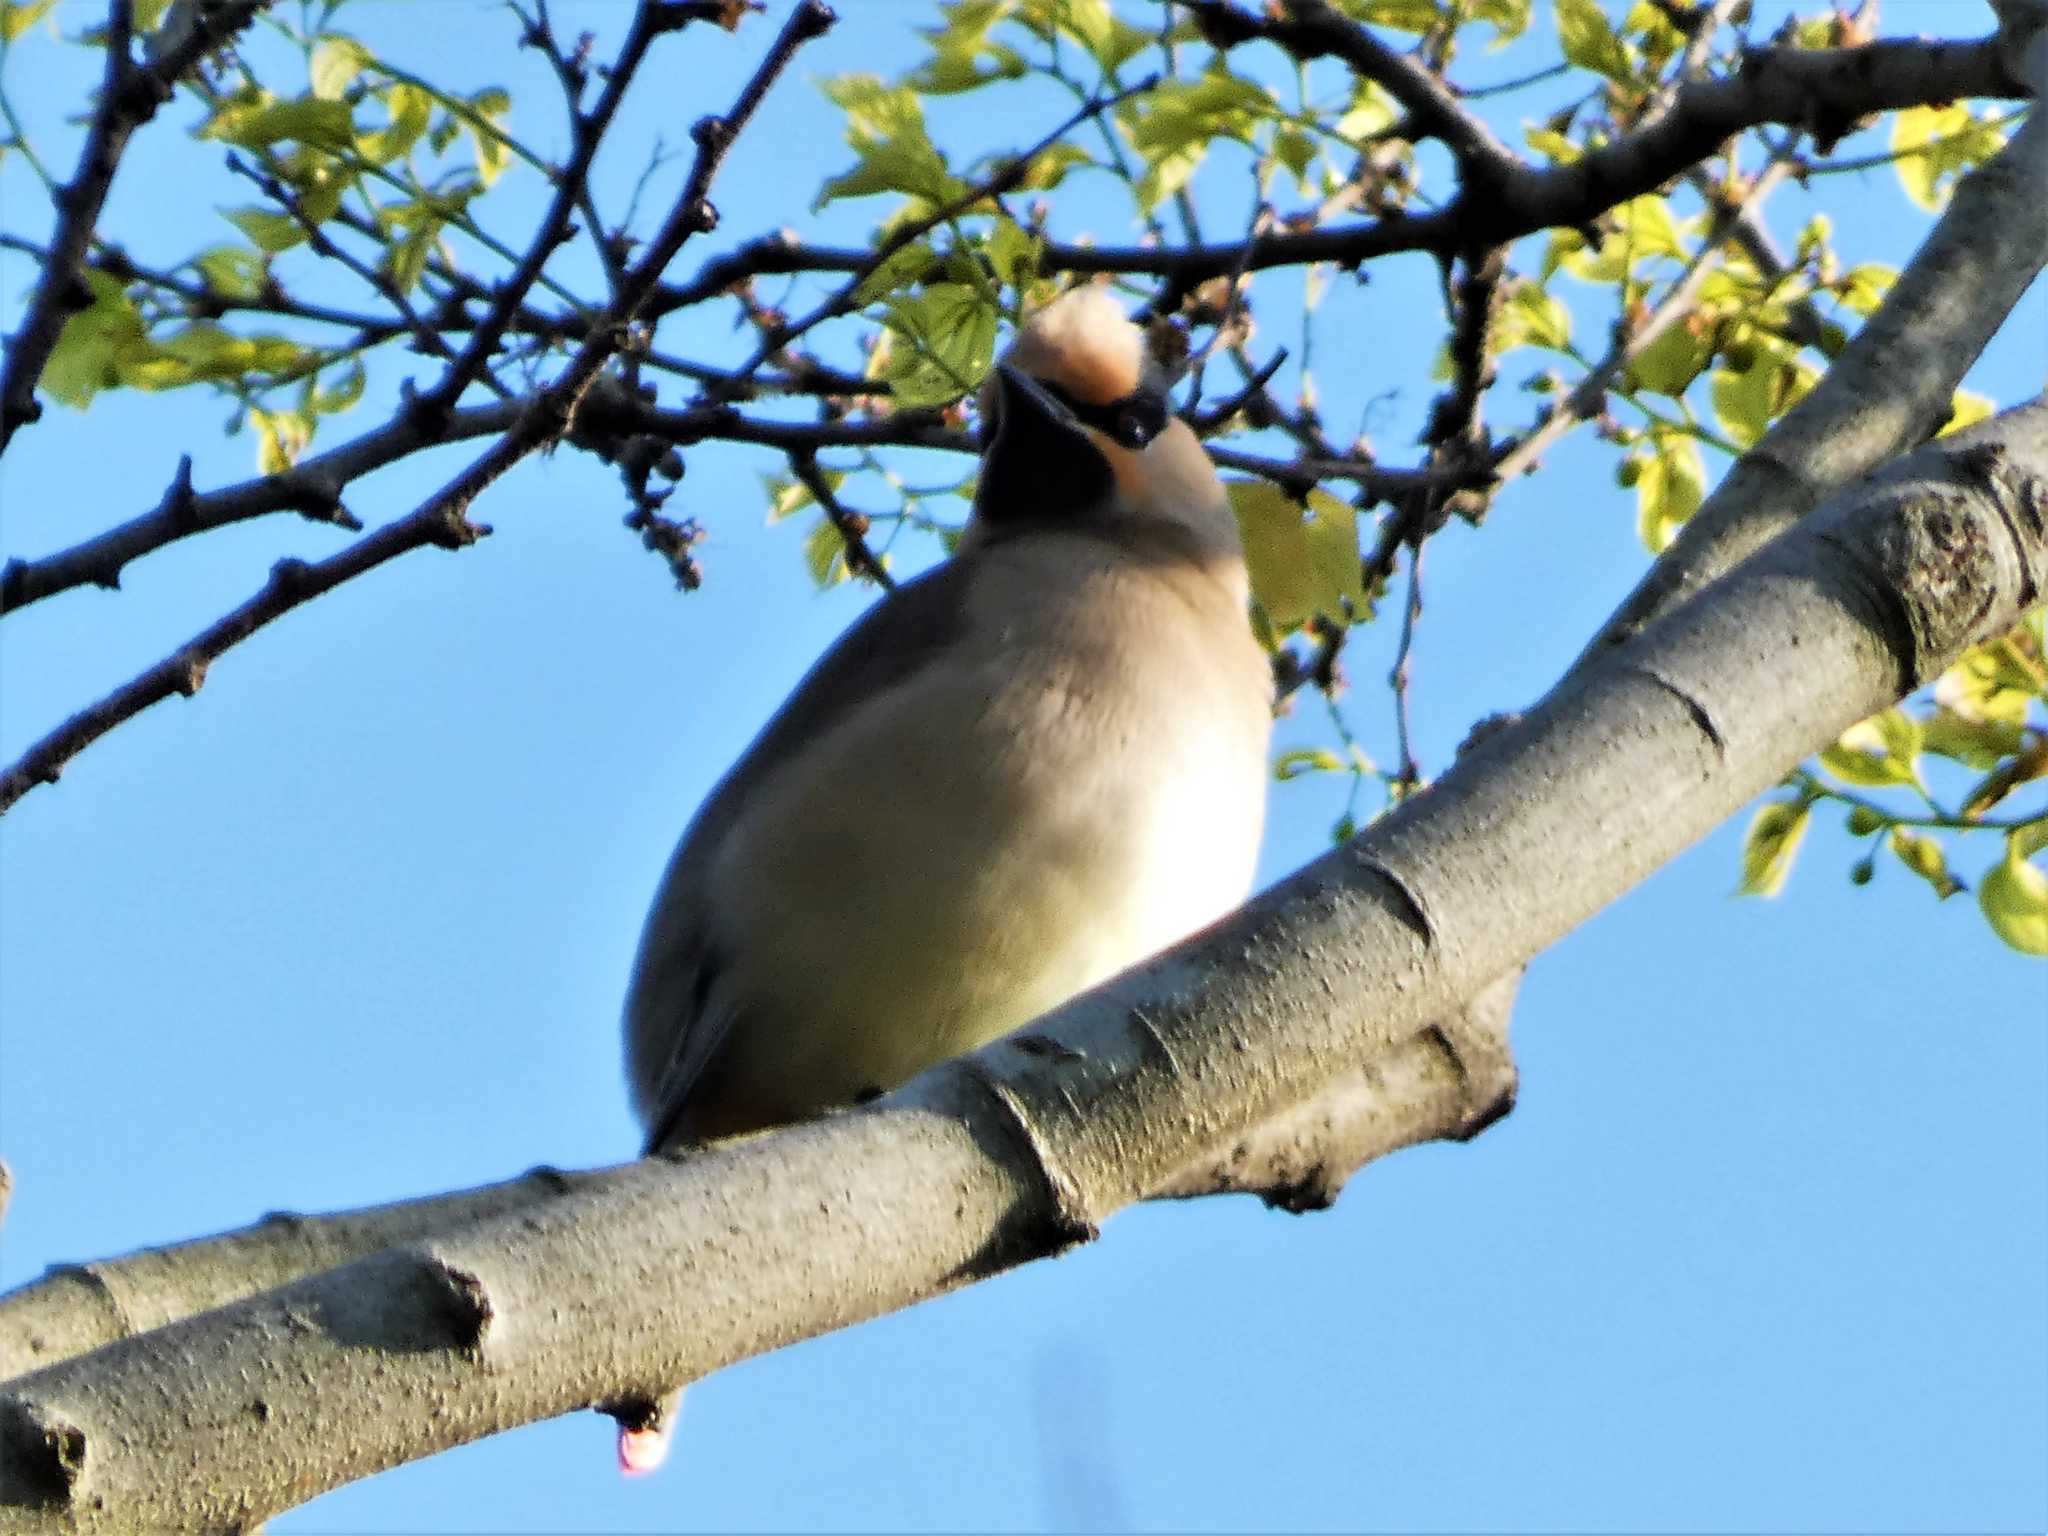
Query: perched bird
x,y
1015,776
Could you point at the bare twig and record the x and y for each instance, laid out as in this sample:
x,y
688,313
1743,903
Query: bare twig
x,y
651,19
1588,397
425,335
130,94
1006,176
442,520
851,526
1820,90
1408,773
312,488
1310,29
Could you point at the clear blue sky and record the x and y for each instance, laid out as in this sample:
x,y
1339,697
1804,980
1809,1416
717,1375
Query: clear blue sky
x,y
1763,1246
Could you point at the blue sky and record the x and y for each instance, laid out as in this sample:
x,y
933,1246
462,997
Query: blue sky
x,y
1764,1244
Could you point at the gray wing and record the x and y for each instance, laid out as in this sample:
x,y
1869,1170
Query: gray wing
x,y
680,1010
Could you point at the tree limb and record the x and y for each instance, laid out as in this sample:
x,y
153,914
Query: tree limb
x,y
1310,29
664,1270
1894,384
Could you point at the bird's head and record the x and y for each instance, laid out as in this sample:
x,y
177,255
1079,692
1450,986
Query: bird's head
x,y
1078,433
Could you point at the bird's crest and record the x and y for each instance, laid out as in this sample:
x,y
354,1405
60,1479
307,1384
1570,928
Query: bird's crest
x,y
1084,344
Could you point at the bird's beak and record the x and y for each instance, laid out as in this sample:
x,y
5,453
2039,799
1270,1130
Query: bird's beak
x,y
1026,407
1040,458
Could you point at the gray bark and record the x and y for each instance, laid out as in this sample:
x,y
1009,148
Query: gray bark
x,y
661,1271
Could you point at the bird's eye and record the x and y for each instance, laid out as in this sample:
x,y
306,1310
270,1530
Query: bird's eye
x,y
1138,418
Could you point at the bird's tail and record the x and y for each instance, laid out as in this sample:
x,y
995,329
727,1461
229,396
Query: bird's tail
x,y
647,1427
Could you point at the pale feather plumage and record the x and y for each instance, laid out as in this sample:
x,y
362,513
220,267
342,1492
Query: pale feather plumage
x,y
1013,778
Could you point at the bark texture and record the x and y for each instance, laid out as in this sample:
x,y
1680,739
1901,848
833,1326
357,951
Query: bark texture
x,y
661,1271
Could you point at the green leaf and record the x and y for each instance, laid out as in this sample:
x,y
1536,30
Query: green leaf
x,y
203,352
1402,15
268,231
1332,534
1172,126
1552,145
1303,560
1969,409
1648,229
1769,382
899,269
1743,399
322,400
90,348
1880,751
258,124
405,259
1863,287
1306,760
410,109
1980,743
1532,317
16,19
335,64
1914,130
1015,252
1297,151
942,344
785,496
281,436
1109,39
232,271
894,153
1924,856
1050,165
1649,22
1669,488
487,108
1668,365
1371,110
1937,144
1770,845
2014,896
1984,685
825,554
1510,18
963,56
1590,42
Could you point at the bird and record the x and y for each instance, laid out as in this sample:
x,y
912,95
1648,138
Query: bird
x,y
1014,776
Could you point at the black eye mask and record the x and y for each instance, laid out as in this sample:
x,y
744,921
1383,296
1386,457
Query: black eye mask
x,y
1132,421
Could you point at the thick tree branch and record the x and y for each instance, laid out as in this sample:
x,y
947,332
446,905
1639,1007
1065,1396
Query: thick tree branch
x,y
1310,29
129,96
441,521
663,1270
1894,384
75,1308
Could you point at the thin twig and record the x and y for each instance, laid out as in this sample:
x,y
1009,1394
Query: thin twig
x,y
1001,180
1310,29
851,526
1588,398
1407,776
442,520
651,19
130,95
